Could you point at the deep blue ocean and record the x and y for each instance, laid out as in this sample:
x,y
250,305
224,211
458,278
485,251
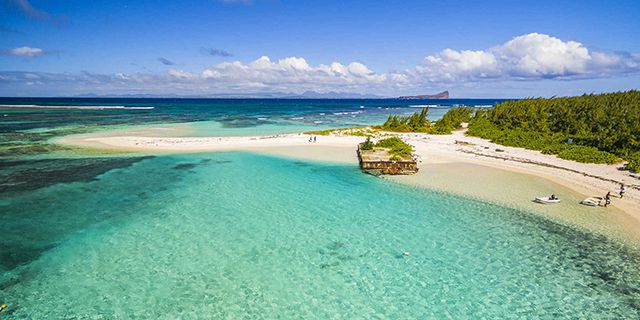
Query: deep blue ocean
x,y
232,113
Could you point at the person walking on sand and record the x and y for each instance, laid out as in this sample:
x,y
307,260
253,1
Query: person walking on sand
x,y
314,138
621,190
607,199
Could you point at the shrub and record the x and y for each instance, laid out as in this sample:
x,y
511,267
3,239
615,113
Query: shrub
x,y
587,155
634,162
397,147
389,142
357,133
352,131
367,144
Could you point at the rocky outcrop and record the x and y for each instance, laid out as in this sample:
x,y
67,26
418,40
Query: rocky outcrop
x,y
378,161
441,95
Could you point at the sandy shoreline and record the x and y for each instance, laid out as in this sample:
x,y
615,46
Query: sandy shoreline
x,y
455,163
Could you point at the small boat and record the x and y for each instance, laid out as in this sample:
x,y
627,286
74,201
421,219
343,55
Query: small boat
x,y
592,201
546,200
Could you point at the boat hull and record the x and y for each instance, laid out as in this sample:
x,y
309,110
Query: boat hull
x,y
546,200
592,201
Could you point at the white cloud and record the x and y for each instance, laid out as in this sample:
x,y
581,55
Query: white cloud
x,y
527,57
180,74
292,73
453,65
540,55
26,52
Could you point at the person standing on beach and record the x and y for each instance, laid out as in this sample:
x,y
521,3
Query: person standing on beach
x,y
607,199
621,190
314,138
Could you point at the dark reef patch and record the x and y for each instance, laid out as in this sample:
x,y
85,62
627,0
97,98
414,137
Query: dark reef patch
x,y
185,166
301,164
14,254
26,175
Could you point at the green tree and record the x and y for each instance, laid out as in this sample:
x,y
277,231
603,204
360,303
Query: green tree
x,y
590,128
417,122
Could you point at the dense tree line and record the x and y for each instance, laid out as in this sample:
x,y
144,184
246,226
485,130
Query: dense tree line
x,y
598,128
417,122
452,120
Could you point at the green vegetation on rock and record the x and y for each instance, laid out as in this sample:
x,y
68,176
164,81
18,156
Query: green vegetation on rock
x,y
367,144
397,148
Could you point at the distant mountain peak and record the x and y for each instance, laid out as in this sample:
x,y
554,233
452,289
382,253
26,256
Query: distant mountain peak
x,y
441,95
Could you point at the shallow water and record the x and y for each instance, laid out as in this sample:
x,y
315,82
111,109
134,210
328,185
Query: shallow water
x,y
517,190
27,132
238,235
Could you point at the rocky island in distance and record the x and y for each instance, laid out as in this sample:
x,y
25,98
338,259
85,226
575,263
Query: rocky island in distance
x,y
440,95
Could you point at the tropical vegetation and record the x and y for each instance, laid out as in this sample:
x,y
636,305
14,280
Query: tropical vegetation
x,y
417,122
452,120
367,144
398,149
593,128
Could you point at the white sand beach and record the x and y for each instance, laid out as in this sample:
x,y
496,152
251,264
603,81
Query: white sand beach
x,y
453,163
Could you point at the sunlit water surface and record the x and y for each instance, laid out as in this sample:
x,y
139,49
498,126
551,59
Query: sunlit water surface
x,y
238,235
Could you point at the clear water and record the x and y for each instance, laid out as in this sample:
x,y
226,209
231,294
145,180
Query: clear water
x,y
229,113
28,132
243,236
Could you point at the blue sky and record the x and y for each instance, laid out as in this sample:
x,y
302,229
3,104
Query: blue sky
x,y
389,48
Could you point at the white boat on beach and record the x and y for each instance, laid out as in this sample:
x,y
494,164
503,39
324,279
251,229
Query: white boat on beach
x,y
592,201
546,200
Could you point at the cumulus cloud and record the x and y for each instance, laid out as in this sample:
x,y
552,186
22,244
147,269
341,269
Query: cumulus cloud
x,y
293,74
165,61
216,52
28,52
527,57
451,65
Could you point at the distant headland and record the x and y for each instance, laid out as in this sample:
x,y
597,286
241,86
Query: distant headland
x,y
440,95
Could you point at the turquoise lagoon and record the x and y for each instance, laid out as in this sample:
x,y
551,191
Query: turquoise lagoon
x,y
245,236
240,235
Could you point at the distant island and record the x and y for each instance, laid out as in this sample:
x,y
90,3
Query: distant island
x,y
441,95
246,95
